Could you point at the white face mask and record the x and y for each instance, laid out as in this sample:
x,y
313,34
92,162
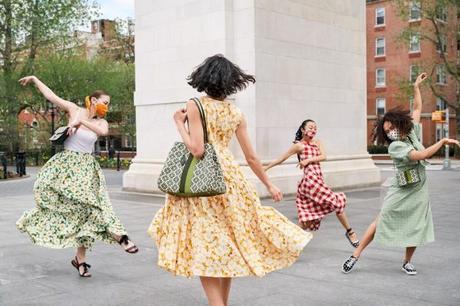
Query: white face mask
x,y
394,135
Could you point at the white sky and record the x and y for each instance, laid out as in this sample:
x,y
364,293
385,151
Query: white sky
x,y
111,9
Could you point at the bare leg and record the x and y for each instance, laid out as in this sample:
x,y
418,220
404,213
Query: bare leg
x,y
213,289
126,246
367,238
346,225
409,252
81,257
225,283
305,224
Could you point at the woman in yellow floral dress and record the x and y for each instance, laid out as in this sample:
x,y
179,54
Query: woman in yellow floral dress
x,y
231,235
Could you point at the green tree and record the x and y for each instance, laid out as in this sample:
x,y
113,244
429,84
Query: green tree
x,y
25,27
74,77
433,30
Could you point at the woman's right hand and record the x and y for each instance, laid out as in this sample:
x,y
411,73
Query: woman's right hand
x,y
275,193
180,116
26,80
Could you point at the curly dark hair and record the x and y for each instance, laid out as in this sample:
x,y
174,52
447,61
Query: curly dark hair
x,y
219,78
399,118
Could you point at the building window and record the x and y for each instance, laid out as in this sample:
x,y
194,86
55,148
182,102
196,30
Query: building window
x,y
415,11
380,77
441,75
441,13
441,104
414,72
443,45
380,46
380,106
414,43
380,16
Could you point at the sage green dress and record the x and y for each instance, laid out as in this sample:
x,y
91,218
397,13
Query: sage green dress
x,y
405,219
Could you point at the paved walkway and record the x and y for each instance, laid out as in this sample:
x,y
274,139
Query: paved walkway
x,y
31,275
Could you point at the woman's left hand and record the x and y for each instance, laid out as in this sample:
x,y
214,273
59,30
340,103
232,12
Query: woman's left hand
x,y
180,116
303,163
73,125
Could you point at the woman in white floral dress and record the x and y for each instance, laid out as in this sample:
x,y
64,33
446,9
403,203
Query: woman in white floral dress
x,y
72,204
231,235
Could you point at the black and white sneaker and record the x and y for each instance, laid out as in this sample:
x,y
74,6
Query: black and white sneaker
x,y
409,268
349,264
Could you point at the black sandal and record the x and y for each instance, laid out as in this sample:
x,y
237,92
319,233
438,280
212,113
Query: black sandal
x,y
347,234
125,240
77,265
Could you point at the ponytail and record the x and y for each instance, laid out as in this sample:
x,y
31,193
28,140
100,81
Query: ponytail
x,y
299,134
96,94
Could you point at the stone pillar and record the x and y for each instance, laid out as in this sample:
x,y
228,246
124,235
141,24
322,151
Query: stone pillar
x,y
309,62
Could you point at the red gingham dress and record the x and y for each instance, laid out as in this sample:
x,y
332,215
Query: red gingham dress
x,y
314,198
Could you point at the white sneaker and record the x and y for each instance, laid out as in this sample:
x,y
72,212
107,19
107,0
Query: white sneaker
x,y
409,268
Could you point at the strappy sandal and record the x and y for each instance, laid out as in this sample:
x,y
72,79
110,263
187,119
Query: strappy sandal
x,y
349,232
85,266
125,240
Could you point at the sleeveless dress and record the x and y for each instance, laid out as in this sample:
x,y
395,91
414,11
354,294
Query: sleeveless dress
x,y
405,219
72,205
315,199
230,235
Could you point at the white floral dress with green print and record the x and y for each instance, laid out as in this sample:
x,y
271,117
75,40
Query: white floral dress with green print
x,y
72,204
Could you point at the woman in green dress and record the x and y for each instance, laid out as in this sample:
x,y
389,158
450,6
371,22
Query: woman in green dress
x,y
72,205
405,219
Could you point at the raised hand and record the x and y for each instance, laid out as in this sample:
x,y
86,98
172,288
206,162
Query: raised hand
x,y
421,77
26,80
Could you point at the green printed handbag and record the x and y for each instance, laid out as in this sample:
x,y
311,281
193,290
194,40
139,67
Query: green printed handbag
x,y
186,176
407,177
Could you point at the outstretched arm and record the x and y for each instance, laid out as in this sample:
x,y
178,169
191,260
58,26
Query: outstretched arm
x,y
48,93
430,151
254,162
294,149
417,108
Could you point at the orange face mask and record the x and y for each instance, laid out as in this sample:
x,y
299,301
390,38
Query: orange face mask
x,y
101,109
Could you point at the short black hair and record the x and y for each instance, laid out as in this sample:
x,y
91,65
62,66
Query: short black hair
x,y
219,78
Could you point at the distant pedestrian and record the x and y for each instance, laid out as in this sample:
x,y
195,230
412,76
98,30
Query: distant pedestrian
x,y
314,198
405,219
111,152
72,205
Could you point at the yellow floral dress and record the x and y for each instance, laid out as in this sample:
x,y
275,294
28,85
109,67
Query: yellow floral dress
x,y
230,235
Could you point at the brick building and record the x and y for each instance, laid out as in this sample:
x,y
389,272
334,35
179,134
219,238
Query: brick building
x,y
393,63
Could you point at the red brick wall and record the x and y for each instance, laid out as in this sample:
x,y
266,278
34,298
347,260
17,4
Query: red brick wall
x,y
397,61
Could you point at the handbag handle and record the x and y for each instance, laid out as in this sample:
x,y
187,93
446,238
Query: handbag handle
x,y
203,118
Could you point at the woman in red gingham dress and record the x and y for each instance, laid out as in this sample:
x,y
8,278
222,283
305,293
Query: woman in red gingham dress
x,y
314,199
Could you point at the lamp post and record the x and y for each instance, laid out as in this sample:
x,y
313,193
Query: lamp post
x,y
446,162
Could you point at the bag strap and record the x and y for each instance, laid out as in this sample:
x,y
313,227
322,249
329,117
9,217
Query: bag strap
x,y
203,118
